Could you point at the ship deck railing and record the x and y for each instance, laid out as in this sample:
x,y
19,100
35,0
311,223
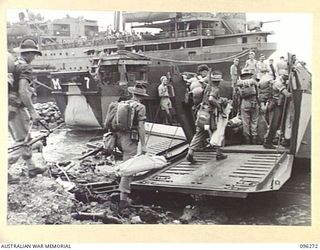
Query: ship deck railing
x,y
133,38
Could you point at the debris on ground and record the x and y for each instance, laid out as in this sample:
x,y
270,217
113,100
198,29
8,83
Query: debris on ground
x,y
40,200
85,191
49,113
189,213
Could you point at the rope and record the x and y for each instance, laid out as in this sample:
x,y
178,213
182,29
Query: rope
x,y
225,59
174,136
152,125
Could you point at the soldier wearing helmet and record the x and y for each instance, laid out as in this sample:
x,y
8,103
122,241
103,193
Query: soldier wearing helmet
x,y
20,104
206,116
249,106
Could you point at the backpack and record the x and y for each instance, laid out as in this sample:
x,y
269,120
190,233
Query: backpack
x,y
205,118
120,116
197,95
247,88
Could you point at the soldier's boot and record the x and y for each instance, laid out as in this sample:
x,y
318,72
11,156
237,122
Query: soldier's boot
x,y
285,143
268,145
123,204
220,156
190,158
124,201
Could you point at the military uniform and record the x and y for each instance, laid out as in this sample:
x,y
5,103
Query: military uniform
x,y
249,107
262,67
128,145
265,92
165,102
275,109
19,117
124,139
201,135
234,74
127,141
206,116
282,68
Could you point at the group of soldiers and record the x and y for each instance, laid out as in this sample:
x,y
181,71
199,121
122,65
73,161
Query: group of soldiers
x,y
260,89
22,115
207,105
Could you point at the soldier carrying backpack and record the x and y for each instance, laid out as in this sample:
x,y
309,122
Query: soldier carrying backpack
x,y
249,106
206,116
126,119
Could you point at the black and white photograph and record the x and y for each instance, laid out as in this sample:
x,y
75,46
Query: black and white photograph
x,y
153,117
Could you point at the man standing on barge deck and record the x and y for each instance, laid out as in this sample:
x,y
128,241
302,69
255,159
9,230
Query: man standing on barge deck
x,y
249,106
251,64
208,110
275,108
165,102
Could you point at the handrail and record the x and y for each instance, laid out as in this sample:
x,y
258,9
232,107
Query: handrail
x,y
209,32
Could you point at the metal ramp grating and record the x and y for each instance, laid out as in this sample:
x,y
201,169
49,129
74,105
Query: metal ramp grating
x,y
254,171
238,175
159,144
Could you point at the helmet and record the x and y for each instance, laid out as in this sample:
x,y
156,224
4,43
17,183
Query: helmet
x,y
29,45
203,67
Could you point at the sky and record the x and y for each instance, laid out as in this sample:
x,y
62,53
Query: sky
x,y
292,34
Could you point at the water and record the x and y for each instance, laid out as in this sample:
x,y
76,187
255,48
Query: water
x,y
289,206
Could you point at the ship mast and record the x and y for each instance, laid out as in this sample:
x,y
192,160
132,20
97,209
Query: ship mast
x,y
117,21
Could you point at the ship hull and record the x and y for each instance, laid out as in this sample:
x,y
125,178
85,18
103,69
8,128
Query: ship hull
x,y
76,59
218,57
186,60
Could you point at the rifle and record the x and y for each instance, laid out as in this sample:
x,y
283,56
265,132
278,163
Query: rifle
x,y
34,140
97,149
